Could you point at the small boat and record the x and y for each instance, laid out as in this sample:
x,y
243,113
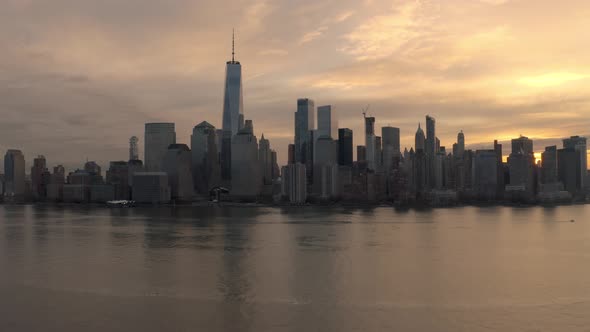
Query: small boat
x,y
121,203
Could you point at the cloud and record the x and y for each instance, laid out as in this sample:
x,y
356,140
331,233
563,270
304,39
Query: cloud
x,y
312,35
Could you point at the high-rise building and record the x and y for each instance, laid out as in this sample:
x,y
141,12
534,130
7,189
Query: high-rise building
x,y
205,158
304,123
118,177
151,187
361,153
420,139
294,185
233,105
370,144
265,160
549,165
245,172
430,144
40,178
325,172
177,164
345,147
14,174
158,137
501,182
133,148
568,163
291,154
233,112
579,145
391,146
523,144
485,176
460,145
327,122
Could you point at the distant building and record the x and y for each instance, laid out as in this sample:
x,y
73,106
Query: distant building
x,y
94,171
294,185
76,193
578,144
485,177
291,154
460,145
521,164
14,174
233,113
370,144
177,164
304,122
102,193
325,174
40,178
245,172
158,137
205,158
568,163
549,165
419,140
151,187
345,149
327,122
133,148
118,178
390,147
361,153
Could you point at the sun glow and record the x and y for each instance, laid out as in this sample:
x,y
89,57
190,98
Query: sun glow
x,y
552,79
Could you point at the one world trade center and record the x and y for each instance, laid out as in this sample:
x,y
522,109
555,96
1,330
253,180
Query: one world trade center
x,y
233,110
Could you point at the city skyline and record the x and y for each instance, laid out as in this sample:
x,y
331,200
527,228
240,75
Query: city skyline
x,y
67,80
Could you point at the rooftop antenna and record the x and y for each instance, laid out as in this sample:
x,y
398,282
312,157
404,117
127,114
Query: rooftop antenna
x,y
233,45
365,110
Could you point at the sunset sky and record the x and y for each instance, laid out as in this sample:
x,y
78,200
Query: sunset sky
x,y
78,78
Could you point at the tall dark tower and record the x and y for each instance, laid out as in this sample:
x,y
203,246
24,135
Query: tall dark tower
x,y
233,110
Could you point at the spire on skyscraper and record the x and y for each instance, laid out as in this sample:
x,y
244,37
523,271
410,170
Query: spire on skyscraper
x,y
233,45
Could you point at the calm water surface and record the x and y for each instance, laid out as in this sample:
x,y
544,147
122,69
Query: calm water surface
x,y
294,269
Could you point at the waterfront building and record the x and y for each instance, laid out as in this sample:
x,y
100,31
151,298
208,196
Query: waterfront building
x,y
118,178
14,174
294,183
158,137
151,187
485,177
40,178
177,164
304,123
245,172
325,172
578,144
568,163
390,137
205,158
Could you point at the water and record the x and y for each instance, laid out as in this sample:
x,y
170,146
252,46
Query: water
x,y
295,269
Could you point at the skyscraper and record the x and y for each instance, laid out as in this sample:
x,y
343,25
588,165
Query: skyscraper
x,y
40,177
245,168
370,146
304,123
390,146
205,158
549,165
485,177
14,174
177,164
345,147
133,148
158,137
460,144
327,123
419,140
233,110
430,136
578,144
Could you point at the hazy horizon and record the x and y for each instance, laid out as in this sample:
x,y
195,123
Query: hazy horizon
x,y
78,78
